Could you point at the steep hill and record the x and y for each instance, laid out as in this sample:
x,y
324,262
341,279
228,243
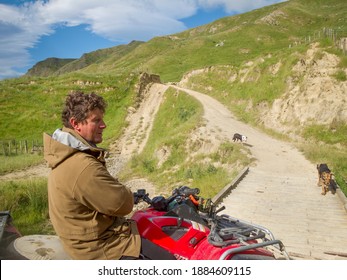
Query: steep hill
x,y
48,66
59,66
98,56
233,40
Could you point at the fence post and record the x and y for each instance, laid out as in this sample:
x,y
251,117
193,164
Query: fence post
x,y
26,146
15,146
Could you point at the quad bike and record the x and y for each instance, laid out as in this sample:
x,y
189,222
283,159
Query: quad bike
x,y
183,226
8,233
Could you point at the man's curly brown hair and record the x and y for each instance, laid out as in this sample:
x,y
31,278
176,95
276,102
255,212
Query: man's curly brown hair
x,y
78,105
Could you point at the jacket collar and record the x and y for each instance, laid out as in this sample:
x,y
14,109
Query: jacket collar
x,y
70,138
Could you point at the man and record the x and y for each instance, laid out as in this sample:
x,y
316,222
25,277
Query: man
x,y
86,204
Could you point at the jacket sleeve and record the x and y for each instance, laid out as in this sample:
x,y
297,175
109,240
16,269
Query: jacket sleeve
x,y
98,190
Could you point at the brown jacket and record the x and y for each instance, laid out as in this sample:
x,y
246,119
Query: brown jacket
x,y
86,204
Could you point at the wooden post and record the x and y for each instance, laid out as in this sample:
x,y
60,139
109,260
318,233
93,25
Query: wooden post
x,y
4,145
15,147
26,146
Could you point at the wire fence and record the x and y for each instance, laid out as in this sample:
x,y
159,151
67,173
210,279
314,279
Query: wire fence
x,y
14,147
338,38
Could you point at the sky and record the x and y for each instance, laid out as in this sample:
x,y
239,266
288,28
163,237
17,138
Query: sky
x,y
32,31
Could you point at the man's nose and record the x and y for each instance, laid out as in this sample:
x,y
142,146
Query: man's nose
x,y
102,125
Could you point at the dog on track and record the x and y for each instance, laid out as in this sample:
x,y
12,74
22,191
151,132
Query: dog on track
x,y
239,137
326,179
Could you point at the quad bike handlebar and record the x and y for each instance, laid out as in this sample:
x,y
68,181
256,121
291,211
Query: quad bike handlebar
x,y
182,191
180,195
186,191
141,195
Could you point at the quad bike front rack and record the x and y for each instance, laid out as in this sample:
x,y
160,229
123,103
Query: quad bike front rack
x,y
264,236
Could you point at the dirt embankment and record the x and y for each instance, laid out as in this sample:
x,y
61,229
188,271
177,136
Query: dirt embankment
x,y
313,95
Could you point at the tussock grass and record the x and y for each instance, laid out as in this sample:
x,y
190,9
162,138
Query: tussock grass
x,y
18,162
28,203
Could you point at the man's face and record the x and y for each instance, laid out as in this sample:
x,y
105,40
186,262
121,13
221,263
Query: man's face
x,y
91,129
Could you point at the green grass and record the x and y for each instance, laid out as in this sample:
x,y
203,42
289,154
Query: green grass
x,y
28,204
18,162
335,133
341,76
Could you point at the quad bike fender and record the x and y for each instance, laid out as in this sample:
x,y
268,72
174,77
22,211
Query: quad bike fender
x,y
38,247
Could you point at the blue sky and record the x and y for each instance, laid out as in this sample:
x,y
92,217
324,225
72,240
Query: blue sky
x,y
31,31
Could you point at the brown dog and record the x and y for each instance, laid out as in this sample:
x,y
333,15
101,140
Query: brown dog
x,y
326,179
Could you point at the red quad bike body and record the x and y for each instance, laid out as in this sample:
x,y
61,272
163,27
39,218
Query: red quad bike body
x,y
181,227
186,240
189,228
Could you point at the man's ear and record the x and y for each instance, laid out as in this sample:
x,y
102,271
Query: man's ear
x,y
74,124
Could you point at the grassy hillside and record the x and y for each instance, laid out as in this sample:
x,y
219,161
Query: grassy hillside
x,y
48,67
244,37
97,57
30,106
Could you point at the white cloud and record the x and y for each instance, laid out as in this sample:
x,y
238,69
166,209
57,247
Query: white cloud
x,y
120,20
132,21
237,6
21,27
